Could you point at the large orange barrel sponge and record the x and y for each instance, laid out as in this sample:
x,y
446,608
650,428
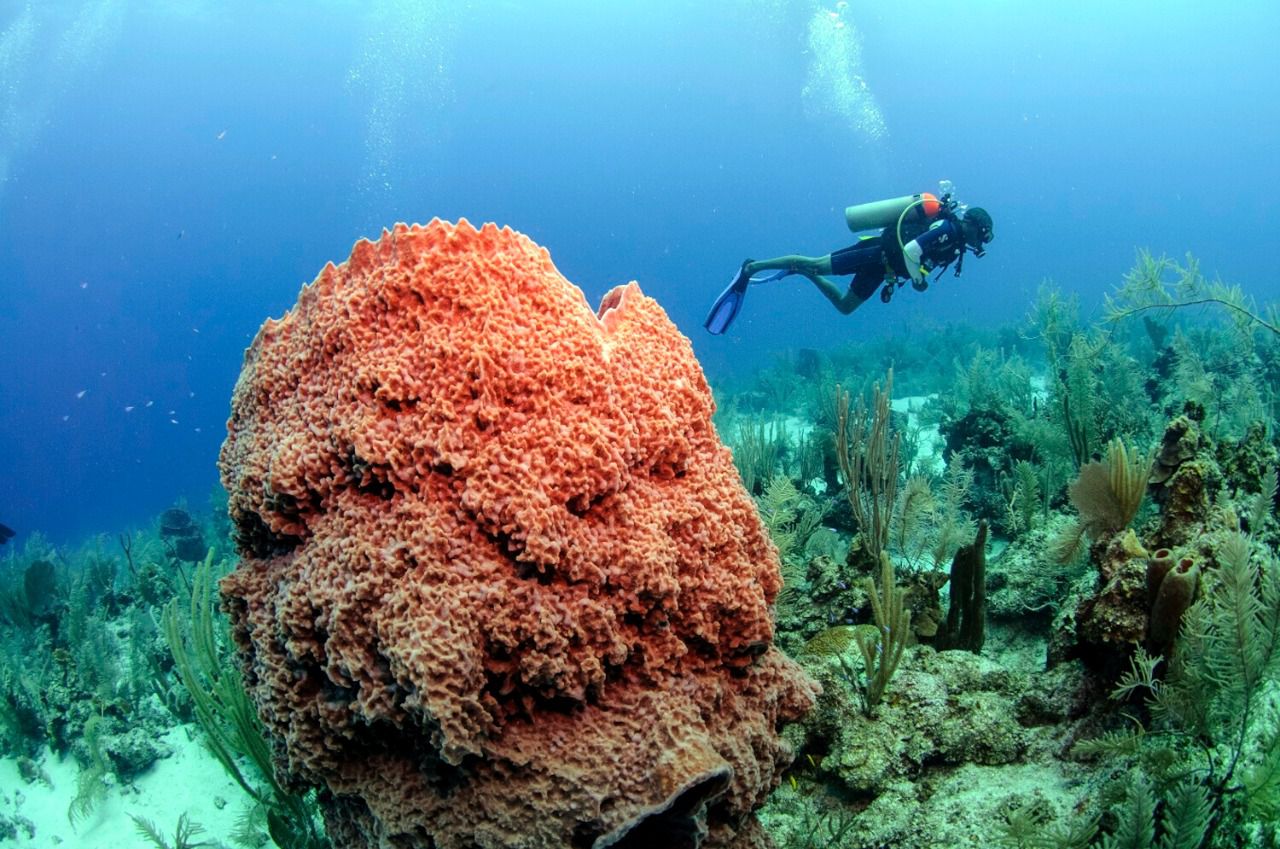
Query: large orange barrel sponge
x,y
500,583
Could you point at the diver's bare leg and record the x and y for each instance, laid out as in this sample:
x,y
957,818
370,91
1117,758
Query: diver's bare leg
x,y
794,263
814,268
839,294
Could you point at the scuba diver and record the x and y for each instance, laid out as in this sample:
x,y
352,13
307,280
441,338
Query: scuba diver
x,y
921,233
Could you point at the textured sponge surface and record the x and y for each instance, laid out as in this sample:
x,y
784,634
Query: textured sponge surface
x,y
501,585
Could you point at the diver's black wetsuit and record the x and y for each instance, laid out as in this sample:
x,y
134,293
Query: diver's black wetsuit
x,y
876,258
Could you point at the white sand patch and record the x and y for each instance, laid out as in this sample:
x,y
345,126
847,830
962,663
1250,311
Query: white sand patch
x,y
795,428
978,794
189,781
929,452
1040,387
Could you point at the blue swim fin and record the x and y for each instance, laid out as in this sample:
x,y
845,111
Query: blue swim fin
x,y
726,307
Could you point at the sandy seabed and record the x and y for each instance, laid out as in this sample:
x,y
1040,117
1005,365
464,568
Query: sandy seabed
x,y
187,781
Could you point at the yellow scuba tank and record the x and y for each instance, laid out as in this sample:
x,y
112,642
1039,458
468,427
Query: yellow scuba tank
x,y
886,213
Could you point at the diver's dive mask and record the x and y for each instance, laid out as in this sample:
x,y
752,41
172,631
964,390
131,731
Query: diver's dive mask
x,y
979,230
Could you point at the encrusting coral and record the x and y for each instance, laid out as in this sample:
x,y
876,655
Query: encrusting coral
x,y
1184,481
501,585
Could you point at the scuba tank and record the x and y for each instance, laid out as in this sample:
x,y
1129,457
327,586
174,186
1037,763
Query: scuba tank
x,y
889,213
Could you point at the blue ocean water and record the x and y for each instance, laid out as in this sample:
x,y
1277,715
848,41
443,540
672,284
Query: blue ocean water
x,y
171,173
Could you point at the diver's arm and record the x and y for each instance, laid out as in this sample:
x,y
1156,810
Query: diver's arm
x,y
913,251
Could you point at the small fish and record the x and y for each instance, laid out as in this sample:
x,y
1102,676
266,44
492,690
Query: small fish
x,y
148,404
66,418
198,430
80,394
173,421
181,233
84,284
6,534
195,330
129,408
172,413
222,135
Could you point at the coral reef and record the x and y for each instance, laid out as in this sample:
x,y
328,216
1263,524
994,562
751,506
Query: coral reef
x,y
965,627
1113,620
1184,480
501,585
990,447
950,708
181,534
80,671
954,719
1026,583
1171,599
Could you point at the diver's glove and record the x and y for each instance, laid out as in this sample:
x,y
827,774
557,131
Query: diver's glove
x,y
920,280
